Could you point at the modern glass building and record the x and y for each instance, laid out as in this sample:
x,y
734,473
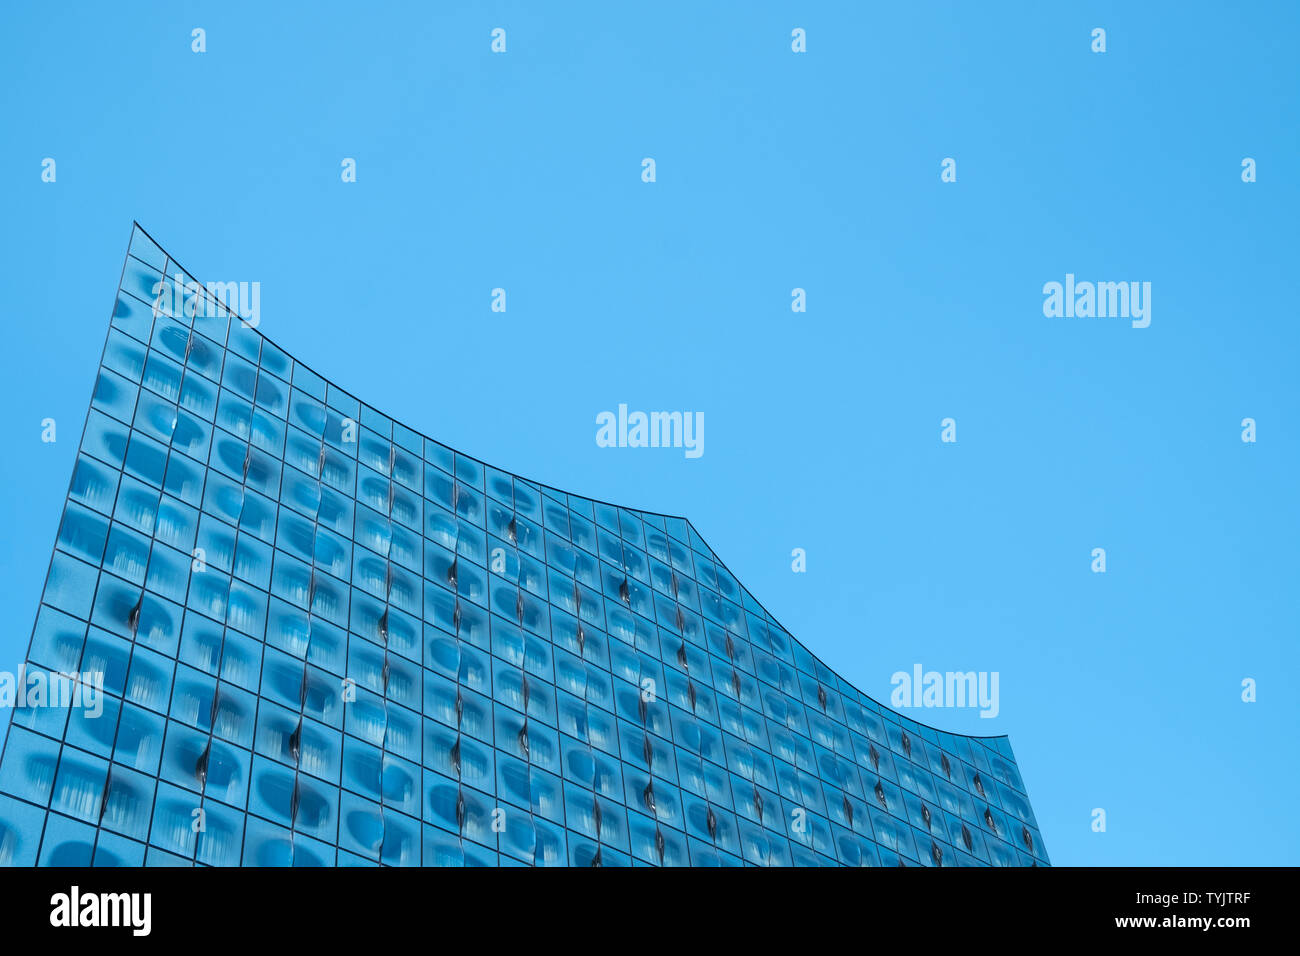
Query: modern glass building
x,y
326,639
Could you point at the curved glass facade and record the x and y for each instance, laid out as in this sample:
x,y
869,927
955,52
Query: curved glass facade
x,y
325,639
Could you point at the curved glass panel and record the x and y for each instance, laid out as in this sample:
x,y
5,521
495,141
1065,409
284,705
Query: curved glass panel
x,y
280,628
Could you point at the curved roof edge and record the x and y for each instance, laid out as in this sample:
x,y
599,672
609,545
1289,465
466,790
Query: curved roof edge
x,y
883,707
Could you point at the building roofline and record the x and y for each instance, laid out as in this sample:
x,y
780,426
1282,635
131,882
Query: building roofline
x,y
611,504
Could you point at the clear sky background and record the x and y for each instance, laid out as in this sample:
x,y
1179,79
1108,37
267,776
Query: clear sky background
x,y
775,170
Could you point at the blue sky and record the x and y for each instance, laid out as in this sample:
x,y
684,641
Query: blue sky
x,y
774,170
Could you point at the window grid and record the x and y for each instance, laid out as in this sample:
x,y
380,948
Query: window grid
x,y
554,600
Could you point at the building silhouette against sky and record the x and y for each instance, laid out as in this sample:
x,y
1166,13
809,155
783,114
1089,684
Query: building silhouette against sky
x,y
325,639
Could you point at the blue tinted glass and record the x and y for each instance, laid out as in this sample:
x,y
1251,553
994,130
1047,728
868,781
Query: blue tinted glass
x,y
281,629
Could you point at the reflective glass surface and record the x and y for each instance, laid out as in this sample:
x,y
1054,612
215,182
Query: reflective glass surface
x,y
325,639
